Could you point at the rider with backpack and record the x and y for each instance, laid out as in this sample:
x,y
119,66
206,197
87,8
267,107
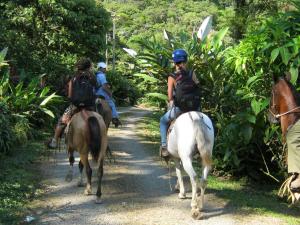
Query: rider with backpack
x,y
104,91
81,94
183,95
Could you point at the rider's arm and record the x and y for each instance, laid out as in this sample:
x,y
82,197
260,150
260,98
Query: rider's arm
x,y
171,85
70,84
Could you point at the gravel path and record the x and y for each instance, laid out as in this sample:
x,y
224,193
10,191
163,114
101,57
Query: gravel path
x,y
135,190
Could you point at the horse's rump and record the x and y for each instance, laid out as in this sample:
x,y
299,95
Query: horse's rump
x,y
192,130
104,110
87,132
196,128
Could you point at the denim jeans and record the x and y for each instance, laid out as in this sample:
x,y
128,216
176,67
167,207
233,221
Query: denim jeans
x,y
164,123
111,103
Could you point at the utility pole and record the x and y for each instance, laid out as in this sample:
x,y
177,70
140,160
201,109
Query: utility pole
x,y
114,43
106,50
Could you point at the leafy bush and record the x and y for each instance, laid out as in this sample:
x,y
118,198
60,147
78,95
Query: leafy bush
x,y
6,132
23,107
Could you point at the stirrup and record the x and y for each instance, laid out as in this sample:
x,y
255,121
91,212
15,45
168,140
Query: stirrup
x,y
163,151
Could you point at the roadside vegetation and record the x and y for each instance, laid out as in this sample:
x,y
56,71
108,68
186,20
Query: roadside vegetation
x,y
251,42
19,180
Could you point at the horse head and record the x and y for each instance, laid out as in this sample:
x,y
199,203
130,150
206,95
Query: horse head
x,y
284,103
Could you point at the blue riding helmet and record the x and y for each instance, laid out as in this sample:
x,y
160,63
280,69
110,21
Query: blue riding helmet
x,y
179,55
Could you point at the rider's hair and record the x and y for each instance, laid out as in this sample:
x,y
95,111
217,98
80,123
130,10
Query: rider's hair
x,y
83,64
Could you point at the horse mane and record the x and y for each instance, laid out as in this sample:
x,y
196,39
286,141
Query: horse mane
x,y
295,93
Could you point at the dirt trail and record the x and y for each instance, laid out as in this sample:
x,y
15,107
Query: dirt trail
x,y
135,190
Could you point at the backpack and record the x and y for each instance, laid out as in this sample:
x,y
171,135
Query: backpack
x,y
82,91
187,92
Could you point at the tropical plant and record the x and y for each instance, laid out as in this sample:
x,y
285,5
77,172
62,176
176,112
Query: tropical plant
x,y
22,108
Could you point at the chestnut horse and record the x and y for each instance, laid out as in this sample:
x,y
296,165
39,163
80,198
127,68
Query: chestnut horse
x,y
285,107
103,108
86,134
284,104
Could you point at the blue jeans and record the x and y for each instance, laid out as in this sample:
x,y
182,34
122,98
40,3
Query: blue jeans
x,y
113,108
164,123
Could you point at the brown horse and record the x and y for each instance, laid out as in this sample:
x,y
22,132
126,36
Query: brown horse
x,y
285,107
103,108
86,134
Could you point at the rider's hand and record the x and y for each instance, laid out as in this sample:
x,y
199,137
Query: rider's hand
x,y
170,104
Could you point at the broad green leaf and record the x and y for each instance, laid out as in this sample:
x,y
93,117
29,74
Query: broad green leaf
x,y
285,55
274,54
48,112
247,133
46,100
294,74
251,118
253,80
255,105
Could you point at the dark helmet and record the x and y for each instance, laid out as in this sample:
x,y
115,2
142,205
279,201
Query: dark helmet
x,y
179,55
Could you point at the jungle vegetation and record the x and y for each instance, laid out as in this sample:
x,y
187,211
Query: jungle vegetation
x,y
251,41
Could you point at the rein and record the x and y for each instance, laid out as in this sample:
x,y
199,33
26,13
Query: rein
x,y
282,114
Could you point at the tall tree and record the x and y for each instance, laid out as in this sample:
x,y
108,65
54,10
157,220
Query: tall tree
x,y
49,35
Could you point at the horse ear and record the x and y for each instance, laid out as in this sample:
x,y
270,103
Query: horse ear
x,y
288,76
275,78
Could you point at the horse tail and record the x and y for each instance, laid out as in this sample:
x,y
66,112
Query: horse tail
x,y
204,142
94,137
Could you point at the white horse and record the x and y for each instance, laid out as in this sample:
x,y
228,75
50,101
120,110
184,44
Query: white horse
x,y
192,132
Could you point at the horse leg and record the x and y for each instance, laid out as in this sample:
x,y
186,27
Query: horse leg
x,y
178,167
188,167
100,175
80,182
88,170
206,162
69,175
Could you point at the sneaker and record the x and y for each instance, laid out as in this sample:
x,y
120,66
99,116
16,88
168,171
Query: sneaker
x,y
295,184
52,143
164,152
116,122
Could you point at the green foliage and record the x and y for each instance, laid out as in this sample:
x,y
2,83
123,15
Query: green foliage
x,y
6,132
19,183
269,50
52,35
124,91
235,84
23,107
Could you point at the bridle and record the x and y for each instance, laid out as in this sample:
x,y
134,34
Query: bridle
x,y
278,115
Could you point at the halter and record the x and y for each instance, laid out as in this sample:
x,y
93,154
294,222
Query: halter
x,y
280,114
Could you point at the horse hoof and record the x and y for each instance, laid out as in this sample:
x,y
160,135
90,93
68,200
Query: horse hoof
x,y
181,196
80,184
87,191
196,214
98,201
69,178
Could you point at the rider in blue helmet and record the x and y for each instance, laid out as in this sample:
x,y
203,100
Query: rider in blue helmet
x,y
180,58
179,55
